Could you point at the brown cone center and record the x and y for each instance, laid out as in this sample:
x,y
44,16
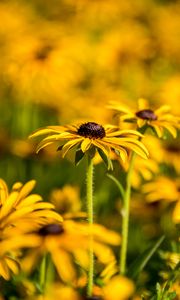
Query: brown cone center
x,y
91,130
146,114
51,229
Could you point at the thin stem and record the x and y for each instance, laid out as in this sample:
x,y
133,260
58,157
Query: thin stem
x,y
42,279
89,196
125,217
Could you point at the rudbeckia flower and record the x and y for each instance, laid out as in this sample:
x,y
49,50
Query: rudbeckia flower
x,y
67,202
91,136
21,212
159,119
68,240
57,291
165,189
117,288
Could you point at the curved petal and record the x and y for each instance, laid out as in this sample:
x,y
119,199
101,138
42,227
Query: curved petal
x,y
86,143
63,262
70,145
3,191
143,104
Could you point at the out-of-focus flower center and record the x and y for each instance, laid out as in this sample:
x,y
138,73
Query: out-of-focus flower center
x,y
91,130
51,229
173,148
146,114
43,53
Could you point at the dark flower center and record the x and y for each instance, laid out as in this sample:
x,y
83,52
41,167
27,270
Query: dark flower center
x,y
54,229
173,148
91,130
43,53
146,114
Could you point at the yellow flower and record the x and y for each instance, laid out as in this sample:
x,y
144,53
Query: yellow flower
x,y
165,189
143,169
57,291
118,288
159,119
21,212
91,136
71,239
66,200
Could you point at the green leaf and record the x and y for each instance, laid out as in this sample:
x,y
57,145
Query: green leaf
x,y
143,259
60,148
91,152
117,183
79,156
106,159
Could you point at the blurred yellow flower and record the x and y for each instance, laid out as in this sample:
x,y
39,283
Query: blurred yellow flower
x,y
21,212
57,291
67,240
67,201
160,119
117,288
164,189
92,136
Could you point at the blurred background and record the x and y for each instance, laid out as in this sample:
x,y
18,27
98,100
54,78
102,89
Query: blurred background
x,y
63,61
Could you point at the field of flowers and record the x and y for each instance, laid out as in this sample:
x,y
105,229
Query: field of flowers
x,y
89,150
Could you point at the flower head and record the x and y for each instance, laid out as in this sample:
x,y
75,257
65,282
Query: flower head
x,y
89,137
165,189
20,213
68,240
159,119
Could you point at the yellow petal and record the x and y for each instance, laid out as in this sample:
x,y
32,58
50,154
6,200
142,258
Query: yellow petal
x,y
171,129
118,107
29,200
47,214
70,145
3,191
124,133
46,130
46,142
104,253
158,129
26,189
64,266
4,271
12,264
143,104
8,205
163,109
23,241
86,143
102,145
141,122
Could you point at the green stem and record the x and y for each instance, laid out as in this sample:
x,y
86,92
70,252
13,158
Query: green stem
x,y
89,196
42,279
125,217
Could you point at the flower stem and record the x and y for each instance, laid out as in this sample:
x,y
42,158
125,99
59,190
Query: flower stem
x,y
89,196
42,279
125,217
